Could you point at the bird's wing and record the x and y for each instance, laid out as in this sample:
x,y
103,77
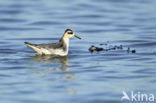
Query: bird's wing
x,y
50,45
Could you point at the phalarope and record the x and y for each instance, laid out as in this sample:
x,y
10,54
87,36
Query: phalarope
x,y
60,48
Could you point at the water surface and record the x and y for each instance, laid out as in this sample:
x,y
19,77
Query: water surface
x,y
81,77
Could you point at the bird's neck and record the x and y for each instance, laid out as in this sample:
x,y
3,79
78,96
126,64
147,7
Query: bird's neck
x,y
65,43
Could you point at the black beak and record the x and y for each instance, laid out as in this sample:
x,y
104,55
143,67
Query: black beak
x,y
77,36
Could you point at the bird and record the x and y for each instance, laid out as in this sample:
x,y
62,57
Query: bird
x,y
59,48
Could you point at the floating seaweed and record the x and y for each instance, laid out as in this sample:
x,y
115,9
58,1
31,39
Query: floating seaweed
x,y
109,47
94,48
132,51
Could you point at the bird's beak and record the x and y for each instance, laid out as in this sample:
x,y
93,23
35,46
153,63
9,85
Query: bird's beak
x,y
77,36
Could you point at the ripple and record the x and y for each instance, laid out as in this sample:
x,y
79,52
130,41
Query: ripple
x,y
113,1
3,42
33,39
129,25
46,23
145,71
146,54
132,41
141,59
94,23
149,28
125,77
85,5
18,29
12,68
92,31
7,51
3,75
10,12
122,1
102,101
149,44
19,6
9,20
84,16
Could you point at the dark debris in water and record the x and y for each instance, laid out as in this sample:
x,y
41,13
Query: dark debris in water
x,y
131,51
94,48
109,48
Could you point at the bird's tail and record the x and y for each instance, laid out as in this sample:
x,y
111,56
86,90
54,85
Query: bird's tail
x,y
34,47
29,44
26,43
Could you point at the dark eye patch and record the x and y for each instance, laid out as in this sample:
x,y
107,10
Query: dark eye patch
x,y
70,32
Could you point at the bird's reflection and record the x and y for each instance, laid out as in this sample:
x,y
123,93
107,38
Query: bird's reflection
x,y
55,61
54,67
51,59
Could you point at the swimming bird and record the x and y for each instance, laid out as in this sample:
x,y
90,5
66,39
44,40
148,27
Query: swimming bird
x,y
60,48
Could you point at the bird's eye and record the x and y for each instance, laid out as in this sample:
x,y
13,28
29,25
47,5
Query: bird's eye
x,y
70,32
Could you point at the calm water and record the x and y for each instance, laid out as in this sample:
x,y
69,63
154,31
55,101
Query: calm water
x,y
81,77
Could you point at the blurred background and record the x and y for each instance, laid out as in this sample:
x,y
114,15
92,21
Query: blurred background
x,y
81,77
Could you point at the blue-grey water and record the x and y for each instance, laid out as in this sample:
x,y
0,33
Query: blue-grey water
x,y
81,77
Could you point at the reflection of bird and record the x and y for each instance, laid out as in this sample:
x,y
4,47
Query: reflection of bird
x,y
60,48
51,59
125,96
52,63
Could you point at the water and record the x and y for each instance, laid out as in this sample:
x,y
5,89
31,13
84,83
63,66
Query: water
x,y
81,77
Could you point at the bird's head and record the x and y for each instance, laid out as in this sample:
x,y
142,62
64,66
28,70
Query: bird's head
x,y
69,34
